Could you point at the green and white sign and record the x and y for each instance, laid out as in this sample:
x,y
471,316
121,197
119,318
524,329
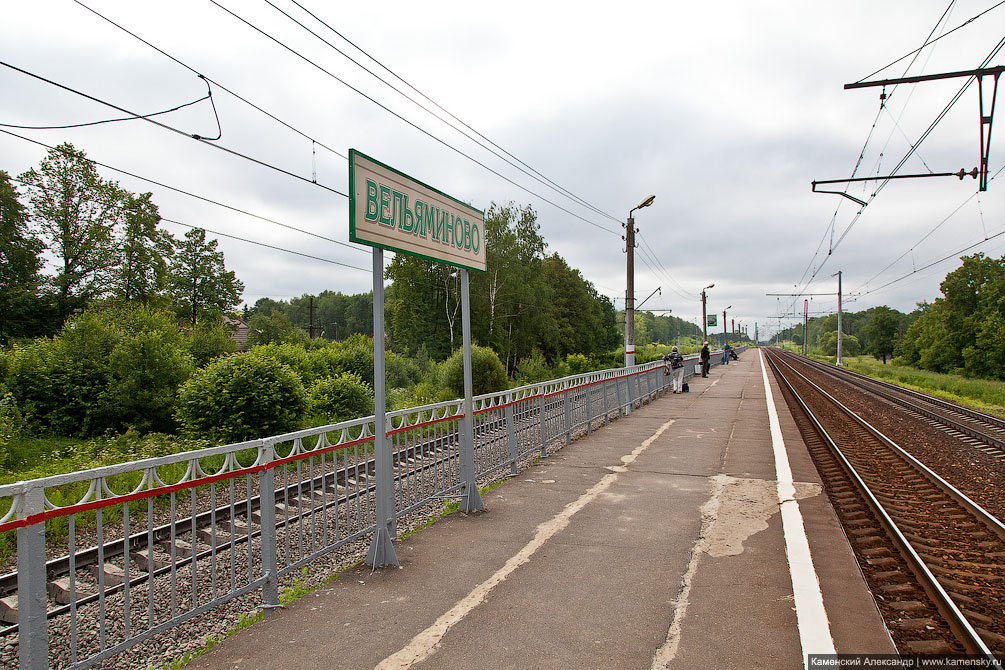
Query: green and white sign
x,y
390,210
711,319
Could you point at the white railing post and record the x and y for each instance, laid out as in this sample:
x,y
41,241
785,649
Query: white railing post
x,y
567,407
510,436
33,631
270,548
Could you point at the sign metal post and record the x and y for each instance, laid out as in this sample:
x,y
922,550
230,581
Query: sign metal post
x,y
390,210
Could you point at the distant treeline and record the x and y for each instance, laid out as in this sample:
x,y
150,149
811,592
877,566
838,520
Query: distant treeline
x,y
961,332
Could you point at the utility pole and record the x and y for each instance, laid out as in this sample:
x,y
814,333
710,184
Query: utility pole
x,y
704,316
838,361
806,311
630,287
724,326
310,316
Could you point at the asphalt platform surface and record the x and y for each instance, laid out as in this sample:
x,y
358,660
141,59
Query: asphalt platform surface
x,y
655,542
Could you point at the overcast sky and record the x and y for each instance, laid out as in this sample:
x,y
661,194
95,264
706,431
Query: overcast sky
x,y
725,114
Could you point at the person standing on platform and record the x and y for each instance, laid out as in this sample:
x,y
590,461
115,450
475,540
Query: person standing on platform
x,y
676,362
704,358
725,354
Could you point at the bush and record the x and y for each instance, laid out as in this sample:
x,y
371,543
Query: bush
x,y
578,364
108,368
400,372
241,397
11,425
335,399
487,372
295,357
146,369
533,369
210,338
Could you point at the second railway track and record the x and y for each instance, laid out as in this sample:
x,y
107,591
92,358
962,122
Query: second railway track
x,y
934,559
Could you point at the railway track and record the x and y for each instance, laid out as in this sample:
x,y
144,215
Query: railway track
x,y
933,558
983,431
85,577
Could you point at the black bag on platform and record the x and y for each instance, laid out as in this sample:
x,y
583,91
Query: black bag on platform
x,y
684,388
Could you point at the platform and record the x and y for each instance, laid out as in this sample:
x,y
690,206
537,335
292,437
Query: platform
x,y
656,542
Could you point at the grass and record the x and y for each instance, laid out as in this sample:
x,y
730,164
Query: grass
x,y
984,395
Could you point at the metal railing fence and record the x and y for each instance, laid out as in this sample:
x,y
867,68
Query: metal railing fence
x,y
168,539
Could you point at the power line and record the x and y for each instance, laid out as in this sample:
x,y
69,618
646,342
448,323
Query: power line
x,y
213,81
529,171
196,137
95,123
407,121
929,42
913,149
682,292
269,246
198,197
884,100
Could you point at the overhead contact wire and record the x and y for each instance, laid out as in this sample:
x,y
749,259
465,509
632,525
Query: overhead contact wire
x,y
546,181
410,123
193,136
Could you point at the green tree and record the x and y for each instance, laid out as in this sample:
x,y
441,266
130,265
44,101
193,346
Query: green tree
x,y
141,273
200,281
508,300
264,329
20,263
882,330
75,211
985,358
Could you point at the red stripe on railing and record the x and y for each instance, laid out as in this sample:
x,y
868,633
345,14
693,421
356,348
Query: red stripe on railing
x,y
41,517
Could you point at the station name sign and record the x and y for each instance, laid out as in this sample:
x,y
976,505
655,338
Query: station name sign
x,y
390,210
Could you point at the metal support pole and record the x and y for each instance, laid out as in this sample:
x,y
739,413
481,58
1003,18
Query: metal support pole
x,y
33,632
589,409
806,314
839,320
704,320
607,411
270,560
510,439
382,546
567,410
544,433
472,500
630,294
617,393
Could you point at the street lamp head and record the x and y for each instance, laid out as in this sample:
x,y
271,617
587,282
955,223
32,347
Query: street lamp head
x,y
645,203
729,307
709,286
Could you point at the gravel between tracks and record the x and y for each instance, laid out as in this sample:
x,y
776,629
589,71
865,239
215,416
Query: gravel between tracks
x,y
195,633
977,474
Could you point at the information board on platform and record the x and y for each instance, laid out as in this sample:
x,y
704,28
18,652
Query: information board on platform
x,y
390,210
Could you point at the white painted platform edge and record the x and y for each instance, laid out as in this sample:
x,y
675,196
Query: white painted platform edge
x,y
811,616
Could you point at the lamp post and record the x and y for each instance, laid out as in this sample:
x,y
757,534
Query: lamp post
x,y
724,326
704,318
630,290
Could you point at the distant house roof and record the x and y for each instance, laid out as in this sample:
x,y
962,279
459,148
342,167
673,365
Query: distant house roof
x,y
238,331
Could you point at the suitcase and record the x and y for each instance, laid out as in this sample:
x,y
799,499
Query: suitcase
x,y
684,388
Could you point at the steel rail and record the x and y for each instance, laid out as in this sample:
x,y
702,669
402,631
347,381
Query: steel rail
x,y
958,623
990,419
885,389
60,566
